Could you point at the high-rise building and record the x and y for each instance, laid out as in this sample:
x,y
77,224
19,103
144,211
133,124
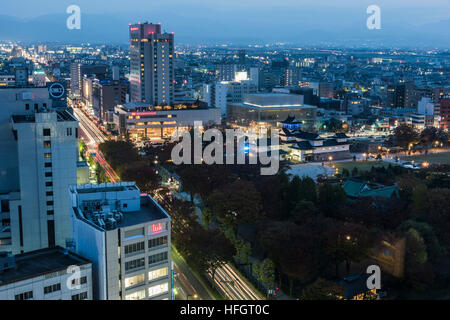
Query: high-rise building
x,y
126,235
445,112
38,152
116,73
242,57
226,72
21,77
402,95
151,65
78,71
291,77
110,94
326,90
104,95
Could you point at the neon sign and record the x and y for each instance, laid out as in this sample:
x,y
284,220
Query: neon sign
x,y
134,29
157,228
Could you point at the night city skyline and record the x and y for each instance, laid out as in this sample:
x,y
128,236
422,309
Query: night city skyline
x,y
240,159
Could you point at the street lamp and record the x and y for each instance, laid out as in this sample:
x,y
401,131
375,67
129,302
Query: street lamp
x,y
195,296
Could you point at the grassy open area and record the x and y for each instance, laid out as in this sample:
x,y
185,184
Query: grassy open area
x,y
433,158
360,165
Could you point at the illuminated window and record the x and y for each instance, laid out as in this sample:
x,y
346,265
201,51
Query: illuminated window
x,y
159,273
47,155
138,295
158,290
134,281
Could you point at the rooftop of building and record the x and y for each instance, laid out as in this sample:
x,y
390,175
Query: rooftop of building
x,y
40,262
291,120
300,134
145,107
149,210
105,187
273,107
28,86
356,188
62,115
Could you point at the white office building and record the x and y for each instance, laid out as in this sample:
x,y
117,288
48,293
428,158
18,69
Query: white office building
x,y
46,274
38,152
126,235
219,94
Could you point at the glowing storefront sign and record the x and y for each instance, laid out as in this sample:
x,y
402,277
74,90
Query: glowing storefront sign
x,y
158,228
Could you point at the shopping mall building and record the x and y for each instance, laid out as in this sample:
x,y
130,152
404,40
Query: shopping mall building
x,y
140,121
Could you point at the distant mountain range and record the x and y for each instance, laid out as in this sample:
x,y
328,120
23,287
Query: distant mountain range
x,y
206,30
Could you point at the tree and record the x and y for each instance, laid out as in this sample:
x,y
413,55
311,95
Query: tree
x,y
405,134
299,189
294,249
438,213
406,185
330,198
274,194
322,289
243,251
265,272
202,179
212,250
428,136
419,198
434,249
207,218
235,204
145,176
442,136
418,272
303,212
345,242
334,125
119,153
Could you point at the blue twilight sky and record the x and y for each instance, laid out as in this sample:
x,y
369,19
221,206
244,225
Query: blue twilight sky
x,y
234,20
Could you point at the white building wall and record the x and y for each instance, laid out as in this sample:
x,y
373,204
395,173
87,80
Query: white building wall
x,y
33,181
37,285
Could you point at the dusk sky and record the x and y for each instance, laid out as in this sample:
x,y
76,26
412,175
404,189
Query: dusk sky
x,y
262,20
416,11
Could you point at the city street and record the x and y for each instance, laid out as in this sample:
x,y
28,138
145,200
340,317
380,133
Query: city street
x,y
95,137
232,285
186,280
